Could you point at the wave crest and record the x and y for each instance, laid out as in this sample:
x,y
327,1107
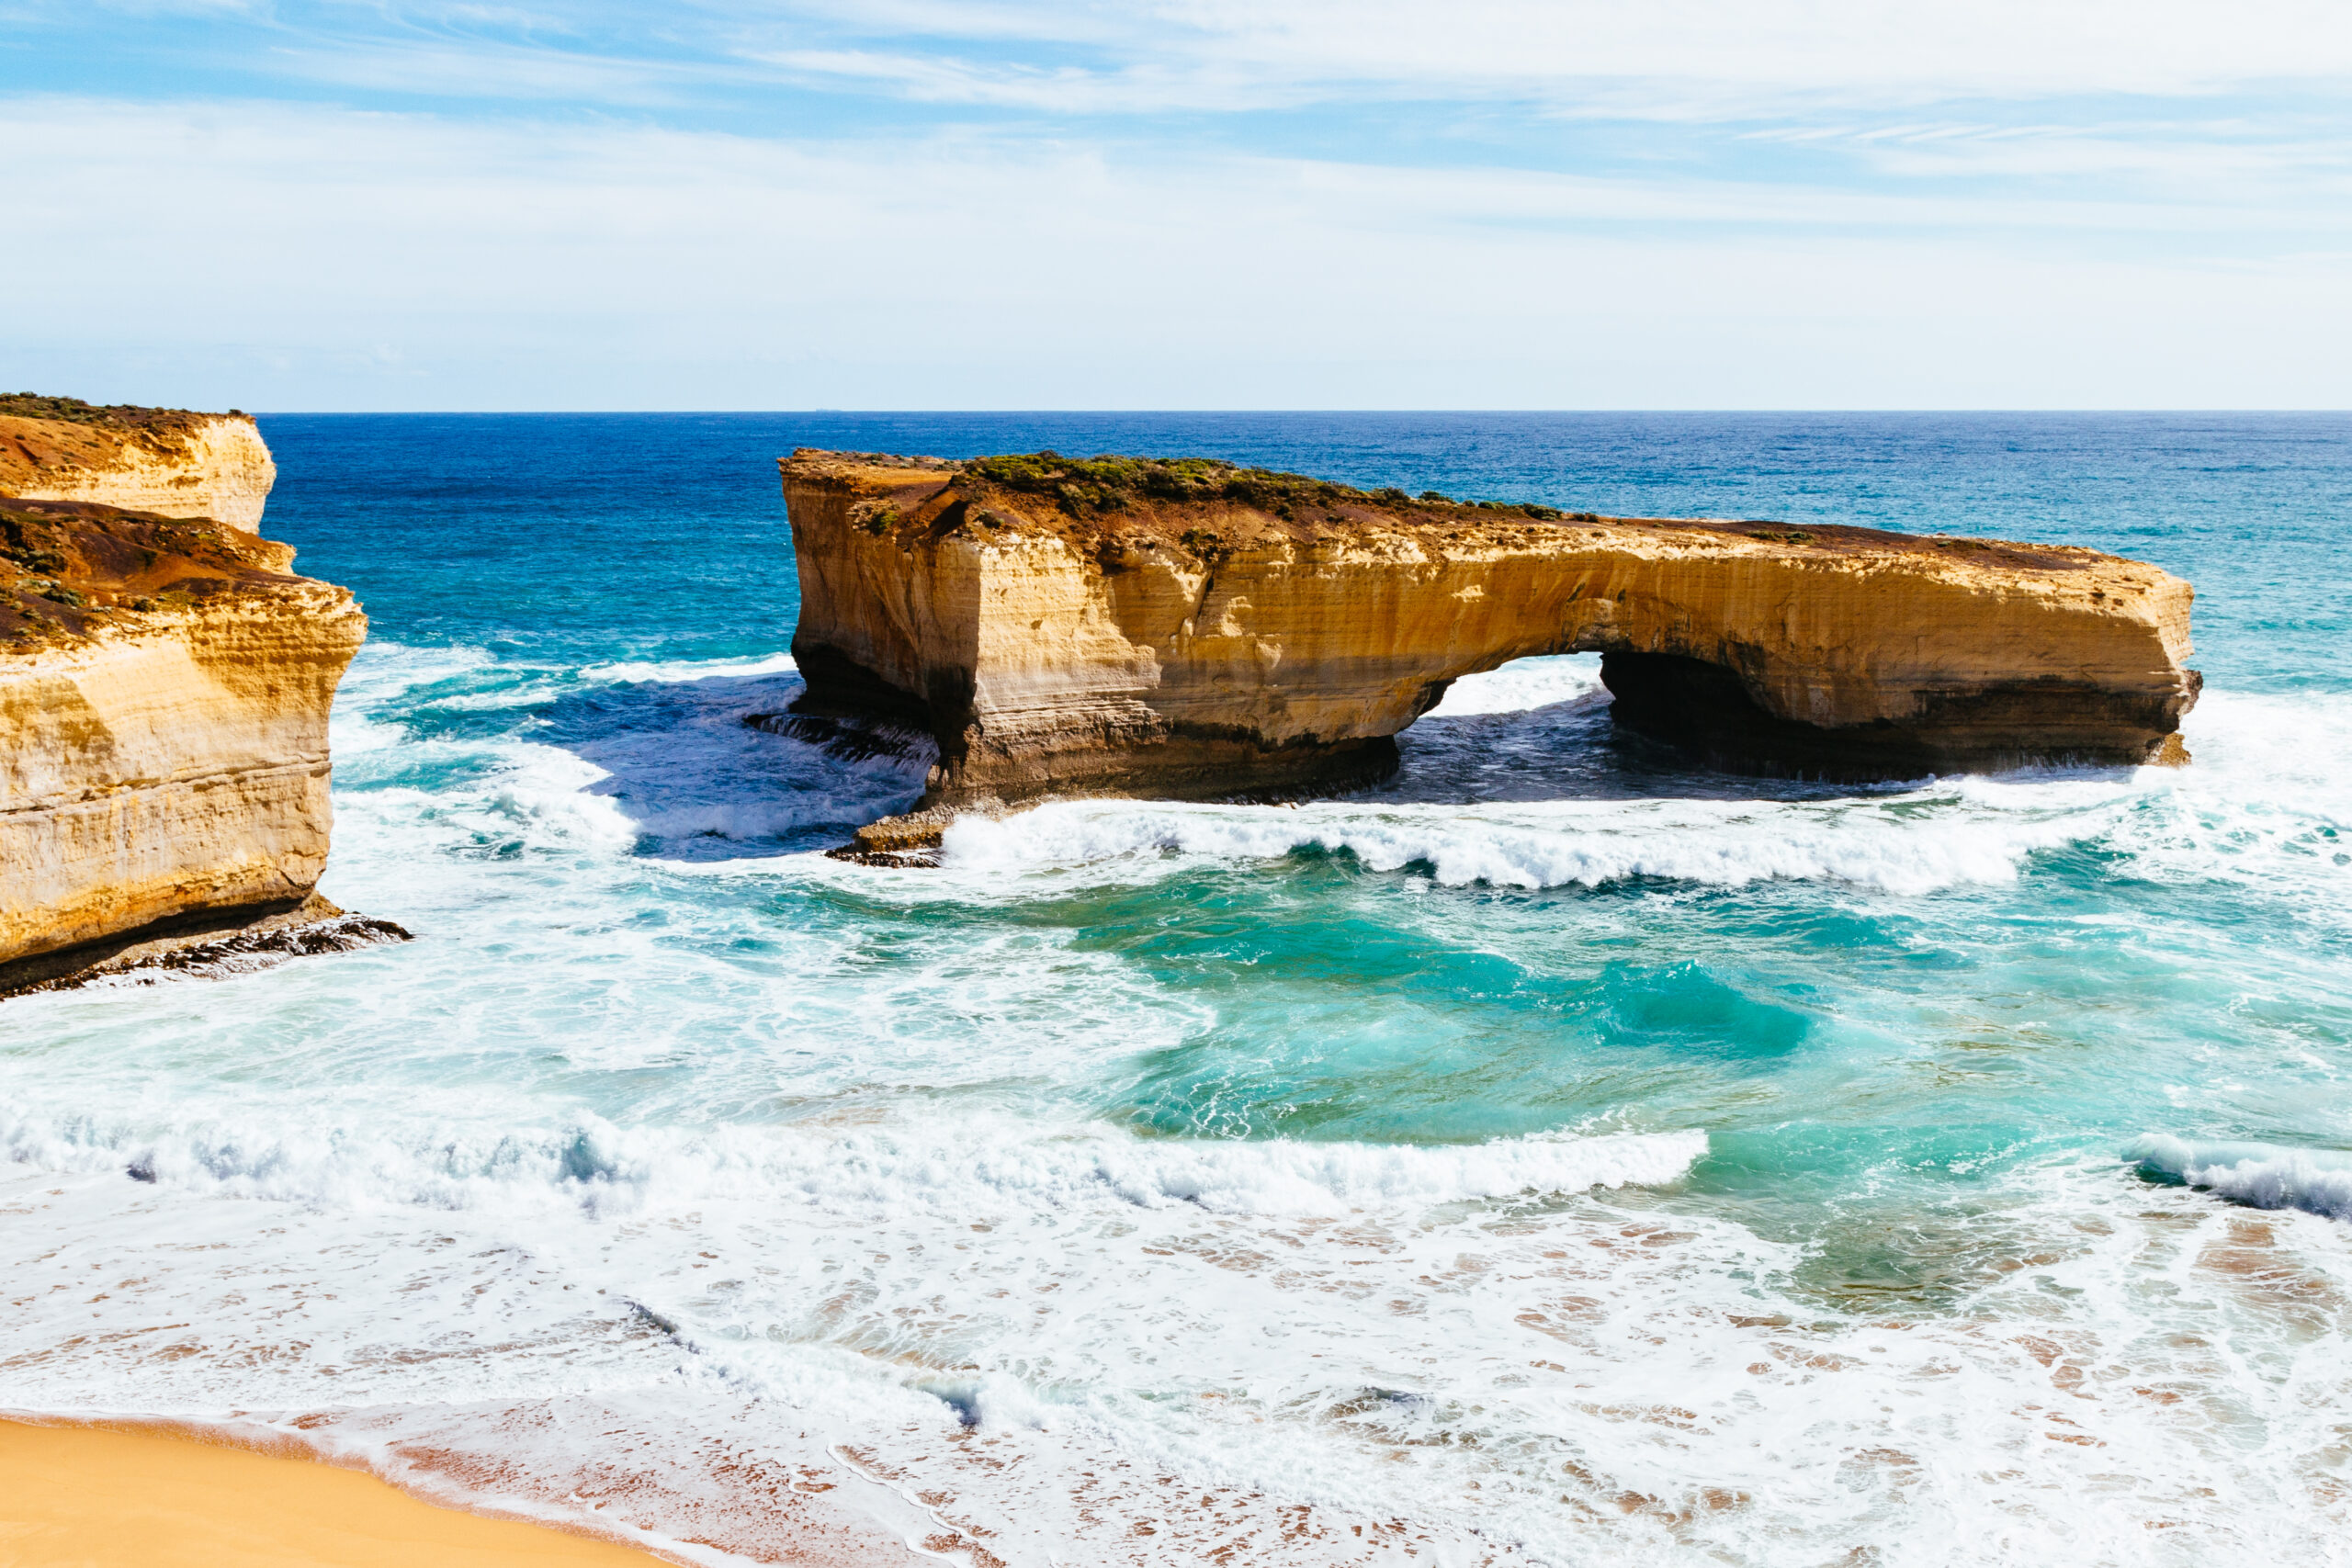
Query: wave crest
x,y
595,1165
2261,1176
1715,843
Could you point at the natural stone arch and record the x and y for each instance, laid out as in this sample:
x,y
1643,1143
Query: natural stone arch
x,y
1193,629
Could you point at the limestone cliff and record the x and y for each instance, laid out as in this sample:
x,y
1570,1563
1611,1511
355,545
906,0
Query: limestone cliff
x,y
167,461
164,694
1192,629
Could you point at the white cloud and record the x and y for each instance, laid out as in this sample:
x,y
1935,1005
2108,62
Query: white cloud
x,y
2201,169
1674,57
495,71
278,256
1688,59
932,78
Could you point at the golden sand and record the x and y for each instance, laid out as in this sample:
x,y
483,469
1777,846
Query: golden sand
x,y
98,1497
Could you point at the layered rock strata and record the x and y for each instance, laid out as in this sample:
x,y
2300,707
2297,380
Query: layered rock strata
x,y
167,461
164,686
1189,628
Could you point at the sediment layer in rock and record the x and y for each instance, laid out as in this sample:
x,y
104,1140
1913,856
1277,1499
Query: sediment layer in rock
x,y
1189,628
168,461
164,686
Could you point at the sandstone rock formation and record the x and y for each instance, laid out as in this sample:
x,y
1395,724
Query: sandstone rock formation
x,y
164,694
167,461
1190,628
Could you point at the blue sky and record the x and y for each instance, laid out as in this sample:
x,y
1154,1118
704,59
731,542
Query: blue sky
x,y
1195,203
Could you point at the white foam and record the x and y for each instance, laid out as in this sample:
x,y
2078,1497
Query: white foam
x,y
2261,805
540,797
1289,1177
383,670
2261,1176
862,1177
527,693
998,1168
701,774
1521,685
680,670
1899,844
1571,1379
379,673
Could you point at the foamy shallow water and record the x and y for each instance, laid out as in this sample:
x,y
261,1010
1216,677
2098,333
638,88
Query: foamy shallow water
x,y
1548,1156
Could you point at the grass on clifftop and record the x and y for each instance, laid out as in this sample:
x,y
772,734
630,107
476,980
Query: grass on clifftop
x,y
1083,485
67,567
74,411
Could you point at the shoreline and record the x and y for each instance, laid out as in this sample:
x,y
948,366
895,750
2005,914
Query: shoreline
x,y
166,1495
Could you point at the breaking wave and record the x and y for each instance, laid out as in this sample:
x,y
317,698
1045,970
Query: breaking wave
x,y
1522,684
677,670
2261,1176
1879,843
605,1168
2260,805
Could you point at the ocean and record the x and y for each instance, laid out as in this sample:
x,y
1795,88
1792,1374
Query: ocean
x,y
1551,1156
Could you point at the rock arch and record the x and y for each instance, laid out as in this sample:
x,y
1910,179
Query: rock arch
x,y
1190,628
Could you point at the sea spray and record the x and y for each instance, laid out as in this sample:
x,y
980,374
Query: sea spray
x,y
1907,844
982,1167
2261,1176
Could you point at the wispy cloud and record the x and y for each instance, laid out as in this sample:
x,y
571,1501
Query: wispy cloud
x,y
501,72
1675,56
1676,59
552,264
2288,163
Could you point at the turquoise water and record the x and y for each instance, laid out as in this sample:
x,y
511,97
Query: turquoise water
x,y
1552,1155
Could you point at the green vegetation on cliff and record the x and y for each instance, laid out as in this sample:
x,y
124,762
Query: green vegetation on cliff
x,y
1087,485
74,411
68,567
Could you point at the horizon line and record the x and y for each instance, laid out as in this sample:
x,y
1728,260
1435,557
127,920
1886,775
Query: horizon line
x,y
1263,413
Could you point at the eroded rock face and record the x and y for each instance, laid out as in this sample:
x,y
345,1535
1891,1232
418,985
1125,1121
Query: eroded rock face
x,y
164,694
167,461
1193,629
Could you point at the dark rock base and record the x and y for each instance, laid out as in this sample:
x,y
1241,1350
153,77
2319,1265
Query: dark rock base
x,y
214,945
1704,712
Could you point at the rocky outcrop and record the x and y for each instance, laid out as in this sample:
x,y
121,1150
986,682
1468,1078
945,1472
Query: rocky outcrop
x,y
1190,628
208,945
164,694
167,461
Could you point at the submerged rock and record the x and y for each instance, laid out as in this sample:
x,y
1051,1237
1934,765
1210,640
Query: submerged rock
x,y
1189,628
165,685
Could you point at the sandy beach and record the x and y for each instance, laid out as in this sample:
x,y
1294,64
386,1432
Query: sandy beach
x,y
100,1498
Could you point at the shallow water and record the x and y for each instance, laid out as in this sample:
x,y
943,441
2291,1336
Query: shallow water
x,y
1549,1155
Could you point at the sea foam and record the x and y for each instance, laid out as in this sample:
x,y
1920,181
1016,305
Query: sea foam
x,y
1521,684
592,1163
2261,1176
1897,844
681,670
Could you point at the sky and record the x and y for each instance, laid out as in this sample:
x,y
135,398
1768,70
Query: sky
x,y
1179,204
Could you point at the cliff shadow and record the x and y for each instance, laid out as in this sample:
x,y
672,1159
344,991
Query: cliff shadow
x,y
1541,728
716,767
688,765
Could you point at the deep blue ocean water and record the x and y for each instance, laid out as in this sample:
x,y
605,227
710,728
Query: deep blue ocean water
x,y
1570,1155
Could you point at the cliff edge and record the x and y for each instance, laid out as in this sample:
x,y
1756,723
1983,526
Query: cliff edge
x,y
167,461
1190,628
165,685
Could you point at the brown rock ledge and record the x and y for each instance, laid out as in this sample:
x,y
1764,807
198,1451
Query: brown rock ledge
x,y
172,462
210,944
1188,628
164,686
